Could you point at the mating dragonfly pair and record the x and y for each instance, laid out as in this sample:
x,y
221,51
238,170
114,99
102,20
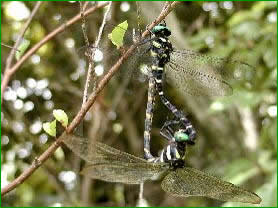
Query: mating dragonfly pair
x,y
196,74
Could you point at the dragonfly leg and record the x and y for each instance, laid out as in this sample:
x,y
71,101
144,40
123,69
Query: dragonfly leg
x,y
169,123
167,131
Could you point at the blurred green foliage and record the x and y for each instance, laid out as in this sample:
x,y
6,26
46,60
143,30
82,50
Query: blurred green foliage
x,y
237,135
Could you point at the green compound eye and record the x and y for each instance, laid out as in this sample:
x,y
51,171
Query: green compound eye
x,y
180,136
158,28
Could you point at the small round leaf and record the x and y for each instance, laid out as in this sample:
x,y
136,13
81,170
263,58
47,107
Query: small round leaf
x,y
117,35
50,128
61,116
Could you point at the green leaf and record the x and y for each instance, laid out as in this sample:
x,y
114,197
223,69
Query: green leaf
x,y
241,97
59,154
261,6
22,48
117,35
247,29
239,17
61,116
268,191
270,57
50,128
239,171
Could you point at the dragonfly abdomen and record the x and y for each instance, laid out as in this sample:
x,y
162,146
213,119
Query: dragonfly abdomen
x,y
161,48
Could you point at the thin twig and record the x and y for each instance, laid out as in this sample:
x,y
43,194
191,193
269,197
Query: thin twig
x,y
9,72
83,25
84,109
91,74
9,47
86,4
88,54
102,25
24,29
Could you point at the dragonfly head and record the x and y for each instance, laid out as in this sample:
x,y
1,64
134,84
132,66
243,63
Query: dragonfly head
x,y
161,29
181,136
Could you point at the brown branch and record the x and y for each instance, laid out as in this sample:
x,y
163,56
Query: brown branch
x,y
10,71
78,118
10,47
24,29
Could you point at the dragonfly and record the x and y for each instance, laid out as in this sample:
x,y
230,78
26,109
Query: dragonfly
x,y
112,165
191,72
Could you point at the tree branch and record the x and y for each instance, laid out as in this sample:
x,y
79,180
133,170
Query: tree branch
x,y
24,29
10,71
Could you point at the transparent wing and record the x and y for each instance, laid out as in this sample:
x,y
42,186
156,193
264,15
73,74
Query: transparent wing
x,y
96,152
110,164
187,182
199,75
128,173
111,54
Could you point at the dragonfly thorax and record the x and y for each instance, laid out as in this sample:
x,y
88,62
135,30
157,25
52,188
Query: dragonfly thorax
x,y
161,49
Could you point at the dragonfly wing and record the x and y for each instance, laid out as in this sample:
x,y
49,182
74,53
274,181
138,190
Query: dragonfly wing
x,y
135,61
110,164
187,182
200,75
96,152
128,173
